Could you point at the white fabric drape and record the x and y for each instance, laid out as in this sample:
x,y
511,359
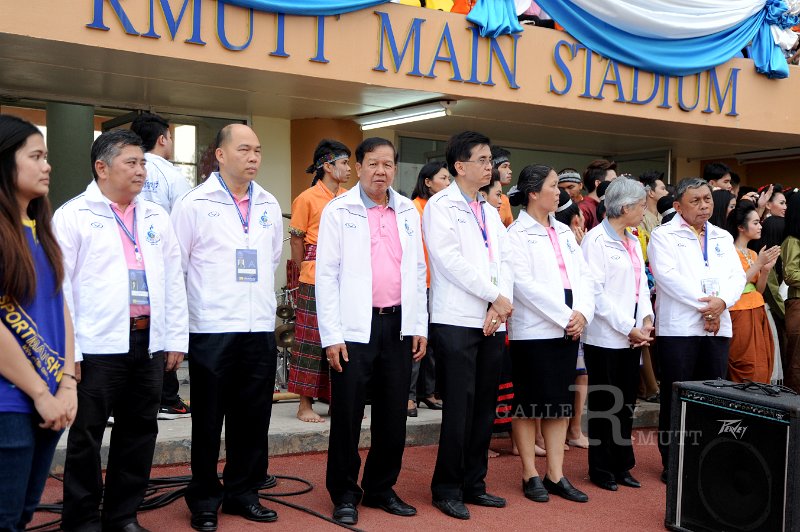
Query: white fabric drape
x,y
671,19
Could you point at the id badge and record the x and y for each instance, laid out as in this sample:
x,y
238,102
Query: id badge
x,y
246,266
139,295
494,276
710,287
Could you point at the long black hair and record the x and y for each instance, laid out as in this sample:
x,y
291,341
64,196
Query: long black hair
x,y
17,270
531,179
421,190
722,198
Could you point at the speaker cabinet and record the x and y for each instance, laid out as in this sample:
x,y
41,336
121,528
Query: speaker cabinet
x,y
733,461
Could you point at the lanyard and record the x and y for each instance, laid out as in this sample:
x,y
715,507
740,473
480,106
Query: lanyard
x,y
484,233
130,235
245,222
705,244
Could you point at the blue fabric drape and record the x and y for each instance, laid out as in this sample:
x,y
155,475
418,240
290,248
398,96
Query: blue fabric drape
x,y
307,7
677,57
495,17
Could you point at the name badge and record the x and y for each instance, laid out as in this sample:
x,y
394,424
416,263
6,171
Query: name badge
x,y
710,287
139,295
493,275
246,266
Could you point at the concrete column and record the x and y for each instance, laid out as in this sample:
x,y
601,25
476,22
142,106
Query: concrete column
x,y
70,133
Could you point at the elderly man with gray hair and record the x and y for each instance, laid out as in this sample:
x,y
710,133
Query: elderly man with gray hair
x,y
699,278
622,324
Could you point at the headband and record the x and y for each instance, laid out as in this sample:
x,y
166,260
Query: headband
x,y
500,160
564,207
569,177
327,158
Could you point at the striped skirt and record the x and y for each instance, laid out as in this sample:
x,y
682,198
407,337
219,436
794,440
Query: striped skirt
x,y
309,371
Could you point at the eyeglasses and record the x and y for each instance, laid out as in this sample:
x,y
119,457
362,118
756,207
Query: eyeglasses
x,y
483,161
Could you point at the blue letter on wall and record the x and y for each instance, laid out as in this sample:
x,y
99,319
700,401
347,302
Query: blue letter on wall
x,y
495,52
221,29
387,35
446,39
173,24
562,66
720,98
97,22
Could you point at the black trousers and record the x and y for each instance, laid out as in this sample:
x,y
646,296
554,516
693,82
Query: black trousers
x,y
233,378
130,385
385,365
468,372
613,383
686,358
170,389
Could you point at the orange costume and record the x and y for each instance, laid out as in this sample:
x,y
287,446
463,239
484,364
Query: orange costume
x,y
752,347
506,216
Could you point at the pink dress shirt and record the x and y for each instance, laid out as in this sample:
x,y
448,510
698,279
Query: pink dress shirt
x,y
130,254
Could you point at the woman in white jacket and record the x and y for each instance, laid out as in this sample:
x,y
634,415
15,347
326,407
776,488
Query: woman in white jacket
x,y
553,302
623,323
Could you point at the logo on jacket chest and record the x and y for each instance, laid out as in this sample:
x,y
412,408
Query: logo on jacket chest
x,y
152,236
264,220
408,228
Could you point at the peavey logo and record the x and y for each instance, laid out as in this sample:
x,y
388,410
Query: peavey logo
x,y
732,426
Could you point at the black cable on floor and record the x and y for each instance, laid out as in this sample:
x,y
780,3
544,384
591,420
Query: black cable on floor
x,y
157,497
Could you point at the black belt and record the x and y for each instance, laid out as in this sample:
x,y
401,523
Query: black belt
x,y
140,323
386,310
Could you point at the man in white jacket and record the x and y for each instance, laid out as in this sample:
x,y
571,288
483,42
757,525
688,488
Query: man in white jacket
x,y
124,287
471,287
164,185
373,322
231,235
698,278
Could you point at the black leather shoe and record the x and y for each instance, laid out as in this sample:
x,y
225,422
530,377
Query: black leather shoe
x,y
492,501
132,527
452,508
664,475
204,521
606,484
564,489
433,405
412,412
345,513
251,512
393,505
535,490
627,480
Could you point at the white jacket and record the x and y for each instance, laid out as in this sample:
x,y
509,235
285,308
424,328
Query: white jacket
x,y
164,184
539,308
209,233
96,284
615,288
461,274
676,261
344,270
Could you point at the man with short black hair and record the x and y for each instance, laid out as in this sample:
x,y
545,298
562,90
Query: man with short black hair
x,y
501,163
164,185
718,175
124,286
598,171
653,182
471,290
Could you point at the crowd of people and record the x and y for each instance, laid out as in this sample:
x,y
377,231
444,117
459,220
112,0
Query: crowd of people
x,y
603,283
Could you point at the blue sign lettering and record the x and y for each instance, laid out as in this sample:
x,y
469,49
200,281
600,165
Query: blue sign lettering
x,y
172,23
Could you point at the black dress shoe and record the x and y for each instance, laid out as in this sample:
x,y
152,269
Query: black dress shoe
x,y
204,521
452,508
132,527
606,484
627,480
433,405
251,512
412,412
393,505
492,501
345,513
564,489
535,490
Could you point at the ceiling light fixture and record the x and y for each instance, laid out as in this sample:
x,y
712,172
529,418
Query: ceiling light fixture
x,y
405,115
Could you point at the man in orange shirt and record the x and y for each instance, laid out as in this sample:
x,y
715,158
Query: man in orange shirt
x,y
502,164
308,374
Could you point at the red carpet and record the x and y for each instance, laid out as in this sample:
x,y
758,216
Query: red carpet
x,y
624,510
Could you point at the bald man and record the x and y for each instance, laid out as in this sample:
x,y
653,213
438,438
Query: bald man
x,y
230,233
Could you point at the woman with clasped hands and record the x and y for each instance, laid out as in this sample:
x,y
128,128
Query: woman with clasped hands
x,y
553,302
37,373
622,324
